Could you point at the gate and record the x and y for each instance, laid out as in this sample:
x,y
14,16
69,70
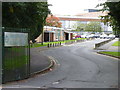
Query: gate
x,y
16,54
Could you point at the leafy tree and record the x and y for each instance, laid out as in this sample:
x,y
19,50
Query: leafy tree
x,y
93,27
53,21
90,27
79,26
113,17
30,15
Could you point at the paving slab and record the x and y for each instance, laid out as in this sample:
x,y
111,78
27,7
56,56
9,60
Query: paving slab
x,y
38,62
109,47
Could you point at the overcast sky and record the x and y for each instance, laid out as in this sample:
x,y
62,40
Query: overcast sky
x,y
72,7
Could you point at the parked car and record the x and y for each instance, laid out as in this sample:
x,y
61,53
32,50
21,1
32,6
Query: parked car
x,y
117,36
103,36
78,36
83,36
111,36
87,36
91,36
96,36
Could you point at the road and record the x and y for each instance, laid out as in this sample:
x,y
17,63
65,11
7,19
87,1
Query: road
x,y
77,66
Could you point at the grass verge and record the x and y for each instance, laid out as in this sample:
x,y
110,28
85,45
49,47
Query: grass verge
x,y
46,43
117,43
114,54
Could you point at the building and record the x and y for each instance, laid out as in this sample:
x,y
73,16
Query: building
x,y
90,15
54,34
91,10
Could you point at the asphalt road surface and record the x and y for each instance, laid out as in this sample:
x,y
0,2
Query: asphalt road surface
x,y
77,66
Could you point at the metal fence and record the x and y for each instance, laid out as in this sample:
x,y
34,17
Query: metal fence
x,y
1,55
16,54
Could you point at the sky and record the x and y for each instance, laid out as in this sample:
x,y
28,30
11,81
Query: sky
x,y
71,7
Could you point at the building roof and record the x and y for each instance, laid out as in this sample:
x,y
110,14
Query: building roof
x,y
92,14
51,27
49,31
77,18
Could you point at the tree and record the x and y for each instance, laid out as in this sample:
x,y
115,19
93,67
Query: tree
x,y
53,21
79,26
113,17
30,15
90,27
93,27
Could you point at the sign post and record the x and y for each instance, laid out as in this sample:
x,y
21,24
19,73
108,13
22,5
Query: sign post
x,y
1,54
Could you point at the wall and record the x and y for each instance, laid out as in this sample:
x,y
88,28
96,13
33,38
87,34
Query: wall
x,y
58,35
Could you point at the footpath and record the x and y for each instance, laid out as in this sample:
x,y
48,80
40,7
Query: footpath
x,y
108,47
39,62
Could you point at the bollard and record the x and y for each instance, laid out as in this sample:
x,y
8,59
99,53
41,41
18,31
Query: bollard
x,y
60,43
53,44
48,45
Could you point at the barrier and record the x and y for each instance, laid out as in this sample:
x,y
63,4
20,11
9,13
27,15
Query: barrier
x,y
54,44
67,43
102,43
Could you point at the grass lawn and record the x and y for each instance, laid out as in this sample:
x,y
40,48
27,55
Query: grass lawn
x,y
37,45
117,43
112,53
46,43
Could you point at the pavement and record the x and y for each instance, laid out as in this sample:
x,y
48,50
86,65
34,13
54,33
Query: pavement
x,y
39,62
109,47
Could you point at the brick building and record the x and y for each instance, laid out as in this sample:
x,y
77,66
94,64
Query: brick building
x,y
55,34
